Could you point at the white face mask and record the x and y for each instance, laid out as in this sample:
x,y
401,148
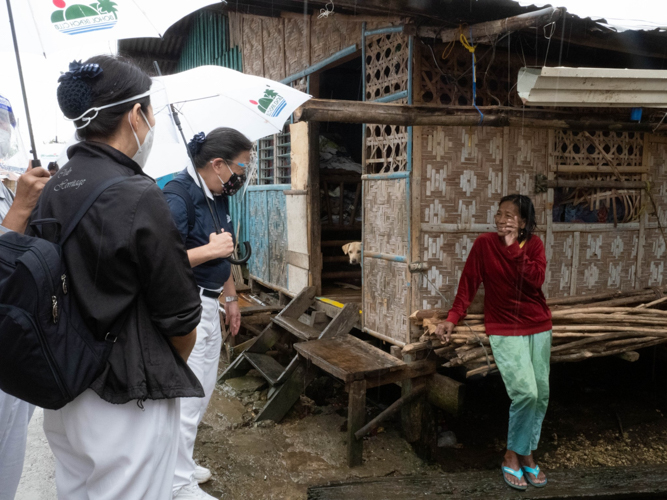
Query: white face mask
x,y
5,143
141,156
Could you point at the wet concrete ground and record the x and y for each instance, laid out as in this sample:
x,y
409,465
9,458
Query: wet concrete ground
x,y
39,469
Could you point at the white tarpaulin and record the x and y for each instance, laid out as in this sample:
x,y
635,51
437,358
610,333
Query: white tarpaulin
x,y
619,14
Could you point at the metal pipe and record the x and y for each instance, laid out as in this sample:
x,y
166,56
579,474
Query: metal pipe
x,y
322,64
393,97
385,177
386,256
383,31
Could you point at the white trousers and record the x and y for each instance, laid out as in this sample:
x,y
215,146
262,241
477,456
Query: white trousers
x,y
14,417
105,451
204,363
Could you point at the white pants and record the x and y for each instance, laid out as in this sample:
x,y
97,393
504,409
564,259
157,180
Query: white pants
x,y
204,363
110,452
14,417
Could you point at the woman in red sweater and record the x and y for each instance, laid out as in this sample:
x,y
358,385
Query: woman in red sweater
x,y
511,263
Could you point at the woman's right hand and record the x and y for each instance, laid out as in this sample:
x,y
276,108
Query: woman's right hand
x,y
221,245
444,331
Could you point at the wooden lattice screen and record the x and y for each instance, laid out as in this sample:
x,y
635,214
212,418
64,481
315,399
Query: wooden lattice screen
x,y
601,156
273,159
386,74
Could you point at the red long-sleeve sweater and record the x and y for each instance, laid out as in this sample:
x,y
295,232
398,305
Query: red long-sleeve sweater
x,y
513,276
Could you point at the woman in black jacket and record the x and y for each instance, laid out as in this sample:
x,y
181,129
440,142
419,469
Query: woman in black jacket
x,y
130,275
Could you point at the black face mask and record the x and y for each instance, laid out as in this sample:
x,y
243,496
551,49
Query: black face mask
x,y
235,182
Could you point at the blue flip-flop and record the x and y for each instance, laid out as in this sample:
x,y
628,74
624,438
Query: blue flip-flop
x,y
517,474
535,472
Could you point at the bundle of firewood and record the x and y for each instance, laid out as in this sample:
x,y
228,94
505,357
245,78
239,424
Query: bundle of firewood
x,y
583,327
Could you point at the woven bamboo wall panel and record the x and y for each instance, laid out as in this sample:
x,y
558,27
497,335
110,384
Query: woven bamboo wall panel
x,y
253,50
449,83
386,149
385,217
607,261
597,148
445,255
528,151
462,174
558,277
386,296
655,256
297,45
657,162
332,34
273,31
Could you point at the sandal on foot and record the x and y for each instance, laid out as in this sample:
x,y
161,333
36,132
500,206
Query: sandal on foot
x,y
517,474
535,472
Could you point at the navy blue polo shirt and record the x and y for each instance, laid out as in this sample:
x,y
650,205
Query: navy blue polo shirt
x,y
214,273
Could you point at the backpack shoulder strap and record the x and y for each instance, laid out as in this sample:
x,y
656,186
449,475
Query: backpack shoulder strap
x,y
174,187
87,204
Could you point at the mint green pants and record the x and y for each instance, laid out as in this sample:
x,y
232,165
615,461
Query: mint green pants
x,y
524,364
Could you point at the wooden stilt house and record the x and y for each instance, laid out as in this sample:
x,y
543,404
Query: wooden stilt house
x,y
419,110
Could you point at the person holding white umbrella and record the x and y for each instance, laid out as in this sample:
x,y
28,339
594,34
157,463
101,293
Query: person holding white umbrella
x,y
130,275
200,211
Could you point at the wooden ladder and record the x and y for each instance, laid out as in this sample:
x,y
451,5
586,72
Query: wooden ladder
x,y
289,381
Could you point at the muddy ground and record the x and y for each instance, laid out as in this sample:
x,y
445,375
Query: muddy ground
x,y
605,412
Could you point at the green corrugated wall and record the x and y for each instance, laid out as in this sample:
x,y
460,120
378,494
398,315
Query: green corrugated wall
x,y
208,44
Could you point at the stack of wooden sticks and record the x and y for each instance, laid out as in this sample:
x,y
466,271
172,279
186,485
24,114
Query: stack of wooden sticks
x,y
610,324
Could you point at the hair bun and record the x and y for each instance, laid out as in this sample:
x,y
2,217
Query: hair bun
x,y
196,143
74,92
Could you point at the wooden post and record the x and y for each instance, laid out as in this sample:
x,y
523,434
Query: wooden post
x,y
411,414
356,418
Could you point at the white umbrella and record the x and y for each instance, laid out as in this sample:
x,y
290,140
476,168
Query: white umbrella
x,y
208,97
622,15
46,27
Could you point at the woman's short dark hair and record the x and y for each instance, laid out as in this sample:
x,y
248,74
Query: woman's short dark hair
x,y
120,79
222,142
526,212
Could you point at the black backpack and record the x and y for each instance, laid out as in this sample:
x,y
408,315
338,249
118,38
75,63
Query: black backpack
x,y
174,187
48,356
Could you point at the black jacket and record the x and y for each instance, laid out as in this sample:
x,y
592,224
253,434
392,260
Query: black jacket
x,y
126,262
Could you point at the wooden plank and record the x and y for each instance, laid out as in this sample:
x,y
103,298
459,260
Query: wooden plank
x,y
297,328
356,418
641,242
238,368
266,365
234,351
348,358
415,202
299,304
253,310
266,339
343,322
410,370
549,211
288,393
297,259
637,482
604,169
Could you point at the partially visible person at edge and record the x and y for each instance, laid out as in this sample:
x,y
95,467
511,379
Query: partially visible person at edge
x,y
129,272
53,168
220,158
14,213
511,263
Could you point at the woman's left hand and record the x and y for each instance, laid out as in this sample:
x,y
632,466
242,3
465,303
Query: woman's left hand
x,y
233,317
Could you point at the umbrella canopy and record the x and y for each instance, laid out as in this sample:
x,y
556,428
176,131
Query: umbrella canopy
x,y
45,26
622,15
208,97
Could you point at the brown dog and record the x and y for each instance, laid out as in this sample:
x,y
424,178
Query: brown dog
x,y
353,250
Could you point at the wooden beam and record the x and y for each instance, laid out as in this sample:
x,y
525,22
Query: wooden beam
x,y
356,417
388,412
487,32
590,183
445,393
325,110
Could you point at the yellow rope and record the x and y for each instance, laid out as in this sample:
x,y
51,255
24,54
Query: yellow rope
x,y
464,41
